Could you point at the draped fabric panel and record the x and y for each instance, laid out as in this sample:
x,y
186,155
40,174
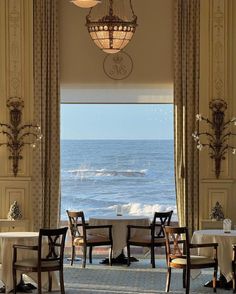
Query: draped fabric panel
x,y
186,104
46,161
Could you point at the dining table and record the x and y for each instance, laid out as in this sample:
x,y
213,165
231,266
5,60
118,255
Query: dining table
x,y
224,251
119,228
7,239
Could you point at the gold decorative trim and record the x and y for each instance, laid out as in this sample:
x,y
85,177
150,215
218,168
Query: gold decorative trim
x,y
218,48
15,54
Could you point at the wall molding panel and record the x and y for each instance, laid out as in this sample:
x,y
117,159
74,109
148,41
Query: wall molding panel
x,y
16,70
215,75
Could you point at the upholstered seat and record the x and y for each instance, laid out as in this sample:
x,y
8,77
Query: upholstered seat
x,y
194,260
91,239
84,235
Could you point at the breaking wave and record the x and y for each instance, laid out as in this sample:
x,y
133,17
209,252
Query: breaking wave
x,y
84,173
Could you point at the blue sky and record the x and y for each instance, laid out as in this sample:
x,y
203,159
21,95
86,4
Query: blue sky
x,y
119,121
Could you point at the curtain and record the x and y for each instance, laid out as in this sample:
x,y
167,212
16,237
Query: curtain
x,y
186,104
46,161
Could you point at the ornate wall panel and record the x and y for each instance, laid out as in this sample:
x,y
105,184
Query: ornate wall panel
x,y
216,82
16,66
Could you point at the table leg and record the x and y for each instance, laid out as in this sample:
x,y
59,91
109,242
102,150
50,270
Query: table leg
x,y
120,259
220,283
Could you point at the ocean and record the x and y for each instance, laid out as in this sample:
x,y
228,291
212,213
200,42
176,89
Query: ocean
x,y
98,175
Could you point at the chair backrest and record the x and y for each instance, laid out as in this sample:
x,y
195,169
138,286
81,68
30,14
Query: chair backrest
x,y
76,221
160,220
55,244
177,242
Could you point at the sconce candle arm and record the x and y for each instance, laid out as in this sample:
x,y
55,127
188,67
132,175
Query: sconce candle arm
x,y
7,126
29,126
207,134
225,137
10,137
207,120
26,135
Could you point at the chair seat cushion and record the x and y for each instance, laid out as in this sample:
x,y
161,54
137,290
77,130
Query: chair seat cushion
x,y
34,263
193,260
146,239
79,241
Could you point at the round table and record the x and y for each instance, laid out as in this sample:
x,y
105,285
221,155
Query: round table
x,y
119,228
224,251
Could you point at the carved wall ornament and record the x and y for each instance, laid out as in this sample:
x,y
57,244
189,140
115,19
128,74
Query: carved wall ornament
x,y
18,135
118,66
217,140
218,38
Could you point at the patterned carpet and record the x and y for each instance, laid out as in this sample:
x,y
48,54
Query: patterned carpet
x,y
139,278
136,279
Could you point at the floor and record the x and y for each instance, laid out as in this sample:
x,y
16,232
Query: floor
x,y
139,278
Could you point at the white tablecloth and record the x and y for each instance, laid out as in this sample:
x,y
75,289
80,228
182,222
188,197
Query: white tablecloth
x,y
225,252
7,239
119,228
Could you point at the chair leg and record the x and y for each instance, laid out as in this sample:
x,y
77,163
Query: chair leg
x,y
84,256
39,283
215,278
184,278
49,282
187,281
72,254
62,282
110,256
90,254
168,277
14,281
128,255
153,256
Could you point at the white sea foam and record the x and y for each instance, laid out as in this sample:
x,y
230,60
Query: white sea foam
x,y
145,209
84,173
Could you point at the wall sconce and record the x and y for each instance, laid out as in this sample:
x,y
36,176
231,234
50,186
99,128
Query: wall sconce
x,y
217,140
17,134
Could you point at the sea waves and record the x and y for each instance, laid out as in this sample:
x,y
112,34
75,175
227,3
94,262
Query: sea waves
x,y
145,209
86,173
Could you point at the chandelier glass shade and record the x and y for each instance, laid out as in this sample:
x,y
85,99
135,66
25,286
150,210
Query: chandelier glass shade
x,y
86,3
112,31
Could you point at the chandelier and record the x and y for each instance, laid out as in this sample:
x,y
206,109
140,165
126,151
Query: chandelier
x,y
112,24
86,3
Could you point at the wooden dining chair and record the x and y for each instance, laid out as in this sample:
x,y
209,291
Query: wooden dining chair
x,y
152,237
84,235
48,258
178,249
